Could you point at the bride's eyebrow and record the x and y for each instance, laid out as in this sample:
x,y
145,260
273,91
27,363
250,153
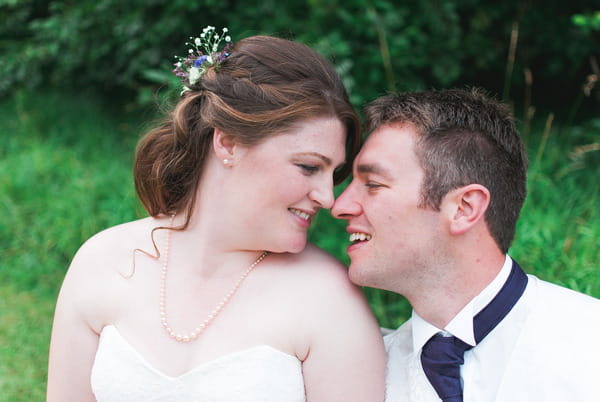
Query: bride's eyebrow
x,y
325,159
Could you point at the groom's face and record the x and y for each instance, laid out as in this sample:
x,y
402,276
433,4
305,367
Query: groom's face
x,y
393,238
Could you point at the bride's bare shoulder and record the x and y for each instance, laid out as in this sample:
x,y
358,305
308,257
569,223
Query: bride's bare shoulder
x,y
105,269
315,268
315,258
114,246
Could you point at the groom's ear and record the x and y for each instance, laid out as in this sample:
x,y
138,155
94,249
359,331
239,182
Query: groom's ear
x,y
465,207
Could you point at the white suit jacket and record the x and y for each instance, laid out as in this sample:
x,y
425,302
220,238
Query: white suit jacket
x,y
546,349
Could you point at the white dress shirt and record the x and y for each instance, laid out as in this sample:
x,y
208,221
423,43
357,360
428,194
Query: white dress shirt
x,y
461,326
529,356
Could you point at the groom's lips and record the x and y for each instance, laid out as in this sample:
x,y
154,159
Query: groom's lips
x,y
357,237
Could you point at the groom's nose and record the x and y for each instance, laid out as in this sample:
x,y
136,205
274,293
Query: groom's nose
x,y
347,205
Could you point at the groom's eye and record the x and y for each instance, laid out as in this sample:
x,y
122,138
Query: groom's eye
x,y
372,185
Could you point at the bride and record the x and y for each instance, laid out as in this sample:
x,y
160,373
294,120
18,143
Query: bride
x,y
217,296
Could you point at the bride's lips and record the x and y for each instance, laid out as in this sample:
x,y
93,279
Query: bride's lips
x,y
303,218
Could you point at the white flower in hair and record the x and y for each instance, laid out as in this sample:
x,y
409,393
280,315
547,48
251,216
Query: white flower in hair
x,y
203,55
194,75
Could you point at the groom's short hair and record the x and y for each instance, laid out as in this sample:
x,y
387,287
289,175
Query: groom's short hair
x,y
464,137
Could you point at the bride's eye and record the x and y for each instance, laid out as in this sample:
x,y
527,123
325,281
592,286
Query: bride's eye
x,y
308,169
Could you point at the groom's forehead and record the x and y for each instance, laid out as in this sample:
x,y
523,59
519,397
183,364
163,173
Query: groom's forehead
x,y
386,147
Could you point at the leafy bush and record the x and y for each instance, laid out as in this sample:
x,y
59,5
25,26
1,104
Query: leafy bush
x,y
378,45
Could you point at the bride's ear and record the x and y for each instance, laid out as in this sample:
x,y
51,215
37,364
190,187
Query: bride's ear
x,y
224,146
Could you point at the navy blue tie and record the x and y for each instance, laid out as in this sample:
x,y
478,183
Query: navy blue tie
x,y
442,356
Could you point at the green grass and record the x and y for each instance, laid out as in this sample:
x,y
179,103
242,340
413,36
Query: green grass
x,y
24,334
65,173
558,235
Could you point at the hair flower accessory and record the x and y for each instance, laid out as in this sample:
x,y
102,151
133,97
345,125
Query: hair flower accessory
x,y
203,53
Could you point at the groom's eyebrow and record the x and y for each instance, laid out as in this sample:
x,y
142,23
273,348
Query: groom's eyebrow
x,y
373,168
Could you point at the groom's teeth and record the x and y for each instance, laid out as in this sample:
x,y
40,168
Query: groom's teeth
x,y
301,214
360,236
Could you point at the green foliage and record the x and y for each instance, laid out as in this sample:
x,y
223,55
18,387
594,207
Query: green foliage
x,y
587,22
558,234
126,47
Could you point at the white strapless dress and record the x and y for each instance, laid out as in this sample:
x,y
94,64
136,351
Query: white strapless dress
x,y
260,373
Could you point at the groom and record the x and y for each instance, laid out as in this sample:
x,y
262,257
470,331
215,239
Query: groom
x,y
431,211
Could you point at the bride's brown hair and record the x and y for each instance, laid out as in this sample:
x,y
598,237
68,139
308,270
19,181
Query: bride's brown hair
x,y
263,88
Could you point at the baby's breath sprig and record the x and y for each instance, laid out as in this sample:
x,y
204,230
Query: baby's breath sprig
x,y
202,54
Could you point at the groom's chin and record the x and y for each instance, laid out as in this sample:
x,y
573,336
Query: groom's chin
x,y
356,273
367,274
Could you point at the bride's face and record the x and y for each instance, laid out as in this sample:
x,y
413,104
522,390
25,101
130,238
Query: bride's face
x,y
281,183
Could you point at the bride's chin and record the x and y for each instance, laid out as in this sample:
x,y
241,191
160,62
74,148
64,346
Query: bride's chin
x,y
294,247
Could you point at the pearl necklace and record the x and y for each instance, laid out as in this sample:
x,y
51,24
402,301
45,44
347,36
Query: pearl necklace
x,y
162,296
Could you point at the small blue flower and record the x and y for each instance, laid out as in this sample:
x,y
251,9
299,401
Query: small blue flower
x,y
200,60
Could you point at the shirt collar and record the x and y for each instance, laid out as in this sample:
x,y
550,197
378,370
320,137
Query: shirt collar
x,y
461,326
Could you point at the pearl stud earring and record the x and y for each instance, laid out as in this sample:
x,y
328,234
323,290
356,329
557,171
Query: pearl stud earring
x,y
227,162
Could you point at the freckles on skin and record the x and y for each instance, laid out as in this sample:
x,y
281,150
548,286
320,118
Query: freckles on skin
x,y
272,179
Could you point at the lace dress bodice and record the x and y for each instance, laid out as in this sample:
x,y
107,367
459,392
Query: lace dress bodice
x,y
260,373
